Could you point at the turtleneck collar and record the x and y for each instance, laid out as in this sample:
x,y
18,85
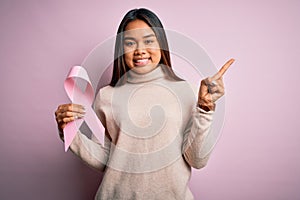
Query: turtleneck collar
x,y
134,77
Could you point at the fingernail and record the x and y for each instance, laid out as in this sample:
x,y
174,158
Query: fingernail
x,y
81,116
83,109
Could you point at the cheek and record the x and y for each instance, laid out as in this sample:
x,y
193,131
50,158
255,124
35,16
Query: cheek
x,y
128,57
156,55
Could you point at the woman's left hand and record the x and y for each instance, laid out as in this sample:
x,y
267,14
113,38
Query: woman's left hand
x,y
212,88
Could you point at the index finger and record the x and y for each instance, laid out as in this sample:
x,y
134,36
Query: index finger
x,y
71,107
224,68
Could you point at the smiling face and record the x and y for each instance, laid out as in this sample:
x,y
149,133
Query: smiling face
x,y
141,48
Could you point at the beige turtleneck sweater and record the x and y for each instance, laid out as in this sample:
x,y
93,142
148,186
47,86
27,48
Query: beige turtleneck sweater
x,y
154,135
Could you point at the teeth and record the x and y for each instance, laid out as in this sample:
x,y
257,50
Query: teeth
x,y
143,60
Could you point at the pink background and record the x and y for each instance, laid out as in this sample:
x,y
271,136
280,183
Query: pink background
x,y
257,156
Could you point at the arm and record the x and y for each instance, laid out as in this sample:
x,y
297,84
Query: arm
x,y
195,136
198,128
90,151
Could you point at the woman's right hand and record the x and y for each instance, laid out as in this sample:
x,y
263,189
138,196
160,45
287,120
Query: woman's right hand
x,y
66,113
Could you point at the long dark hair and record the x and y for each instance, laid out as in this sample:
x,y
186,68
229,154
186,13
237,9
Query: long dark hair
x,y
120,68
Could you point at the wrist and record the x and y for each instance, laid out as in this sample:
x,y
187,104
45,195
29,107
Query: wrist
x,y
207,107
61,134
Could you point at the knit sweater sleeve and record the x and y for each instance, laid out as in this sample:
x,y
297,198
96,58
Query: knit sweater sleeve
x,y
195,136
91,151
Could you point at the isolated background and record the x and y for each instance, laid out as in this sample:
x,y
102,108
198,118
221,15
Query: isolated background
x,y
257,156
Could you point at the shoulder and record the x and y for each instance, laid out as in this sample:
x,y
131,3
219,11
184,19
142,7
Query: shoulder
x,y
104,95
105,90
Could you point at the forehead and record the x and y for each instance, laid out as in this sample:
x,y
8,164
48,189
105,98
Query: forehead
x,y
137,29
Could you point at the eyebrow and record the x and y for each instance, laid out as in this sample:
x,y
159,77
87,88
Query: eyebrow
x,y
146,36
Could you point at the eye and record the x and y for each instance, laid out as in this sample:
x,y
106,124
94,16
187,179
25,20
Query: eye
x,y
129,43
149,41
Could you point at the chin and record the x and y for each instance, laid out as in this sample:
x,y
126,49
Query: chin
x,y
143,69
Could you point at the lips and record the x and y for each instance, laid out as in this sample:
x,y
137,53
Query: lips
x,y
141,62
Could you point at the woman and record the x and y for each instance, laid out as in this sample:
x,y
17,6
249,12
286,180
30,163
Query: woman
x,y
154,126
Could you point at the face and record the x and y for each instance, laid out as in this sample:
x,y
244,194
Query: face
x,y
141,48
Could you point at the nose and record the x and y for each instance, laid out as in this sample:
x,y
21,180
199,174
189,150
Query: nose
x,y
140,49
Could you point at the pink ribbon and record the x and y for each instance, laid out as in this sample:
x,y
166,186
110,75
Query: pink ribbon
x,y
83,96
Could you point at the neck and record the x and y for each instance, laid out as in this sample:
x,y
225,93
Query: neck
x,y
156,73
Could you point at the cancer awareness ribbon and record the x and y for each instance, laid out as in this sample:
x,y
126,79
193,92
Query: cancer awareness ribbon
x,y
83,97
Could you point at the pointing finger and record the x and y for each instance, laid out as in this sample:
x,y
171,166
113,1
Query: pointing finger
x,y
221,72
